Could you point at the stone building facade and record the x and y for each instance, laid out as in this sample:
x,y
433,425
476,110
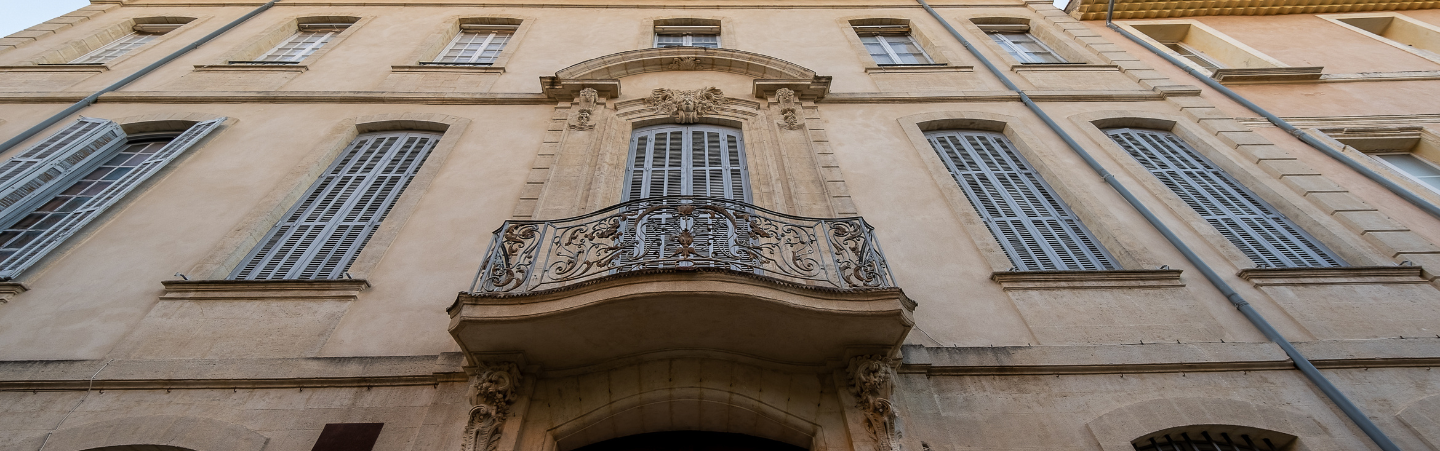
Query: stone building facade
x,y
822,224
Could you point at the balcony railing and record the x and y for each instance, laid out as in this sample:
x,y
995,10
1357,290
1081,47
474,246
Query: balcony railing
x,y
682,233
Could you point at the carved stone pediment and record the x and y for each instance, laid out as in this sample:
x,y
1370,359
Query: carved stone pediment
x,y
686,106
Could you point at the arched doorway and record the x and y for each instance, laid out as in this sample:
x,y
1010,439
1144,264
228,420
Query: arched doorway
x,y
690,441
140,448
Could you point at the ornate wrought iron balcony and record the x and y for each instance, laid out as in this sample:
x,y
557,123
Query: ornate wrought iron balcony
x,y
682,233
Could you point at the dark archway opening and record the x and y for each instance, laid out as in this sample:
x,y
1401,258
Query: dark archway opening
x,y
690,441
140,448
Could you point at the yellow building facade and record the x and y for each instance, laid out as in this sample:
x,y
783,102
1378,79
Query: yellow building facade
x,y
720,224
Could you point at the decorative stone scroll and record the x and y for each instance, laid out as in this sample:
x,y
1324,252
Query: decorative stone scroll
x,y
686,106
872,381
789,109
493,390
584,117
684,63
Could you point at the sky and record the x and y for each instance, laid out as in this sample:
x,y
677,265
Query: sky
x,y
22,14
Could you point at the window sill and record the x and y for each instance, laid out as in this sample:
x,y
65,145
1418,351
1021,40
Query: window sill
x,y
1087,280
461,68
912,68
1267,74
1064,67
1353,275
95,68
264,290
252,68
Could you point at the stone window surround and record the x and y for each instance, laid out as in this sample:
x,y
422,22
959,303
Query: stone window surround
x,y
1087,206
64,53
264,41
1337,20
436,42
1323,227
1042,30
940,54
231,250
132,125
1351,141
1258,67
647,30
1116,429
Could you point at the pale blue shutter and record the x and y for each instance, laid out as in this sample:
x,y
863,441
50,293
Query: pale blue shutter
x,y
23,246
1261,232
671,160
321,235
27,176
1032,224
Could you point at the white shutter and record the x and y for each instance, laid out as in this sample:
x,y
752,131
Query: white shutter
x,y
89,204
1036,229
1261,232
672,160
42,166
321,235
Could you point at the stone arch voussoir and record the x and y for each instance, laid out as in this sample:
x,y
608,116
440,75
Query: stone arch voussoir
x,y
193,433
682,409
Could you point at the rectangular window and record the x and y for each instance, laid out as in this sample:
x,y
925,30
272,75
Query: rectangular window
x,y
116,48
53,189
687,33
319,237
1418,169
696,160
1024,47
1397,30
1036,229
892,45
310,38
477,45
1267,237
1194,55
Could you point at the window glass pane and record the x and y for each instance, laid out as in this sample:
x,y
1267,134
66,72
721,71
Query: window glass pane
x,y
116,48
299,46
877,50
669,40
906,50
1194,55
1417,168
1024,47
475,47
705,40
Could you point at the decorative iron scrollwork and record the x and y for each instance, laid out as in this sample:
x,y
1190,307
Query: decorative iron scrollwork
x,y
683,232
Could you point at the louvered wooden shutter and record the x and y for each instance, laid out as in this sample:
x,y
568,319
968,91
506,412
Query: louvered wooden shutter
x,y
1261,232
673,160
92,204
321,235
25,178
1032,224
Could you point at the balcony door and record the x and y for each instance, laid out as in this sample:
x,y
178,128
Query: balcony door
x,y
687,160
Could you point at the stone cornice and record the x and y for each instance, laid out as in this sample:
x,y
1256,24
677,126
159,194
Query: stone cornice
x,y
1079,280
1332,276
1150,9
279,290
484,98
125,374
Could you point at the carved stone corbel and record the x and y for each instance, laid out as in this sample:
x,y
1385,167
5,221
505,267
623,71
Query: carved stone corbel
x,y
493,389
872,381
686,106
789,109
586,110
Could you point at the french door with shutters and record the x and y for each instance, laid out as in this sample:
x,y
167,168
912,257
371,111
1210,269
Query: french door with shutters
x,y
323,233
687,160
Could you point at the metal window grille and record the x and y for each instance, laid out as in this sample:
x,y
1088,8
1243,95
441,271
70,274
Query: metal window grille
x,y
1036,229
471,47
91,167
1205,441
322,233
1418,169
697,160
1267,237
687,40
895,49
1194,55
299,46
1024,47
115,48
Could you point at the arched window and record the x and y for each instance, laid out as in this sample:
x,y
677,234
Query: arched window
x,y
53,189
1209,437
1036,229
1269,238
322,233
687,160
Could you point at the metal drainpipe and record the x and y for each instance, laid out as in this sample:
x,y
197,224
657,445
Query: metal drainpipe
x,y
89,100
1331,152
1303,364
